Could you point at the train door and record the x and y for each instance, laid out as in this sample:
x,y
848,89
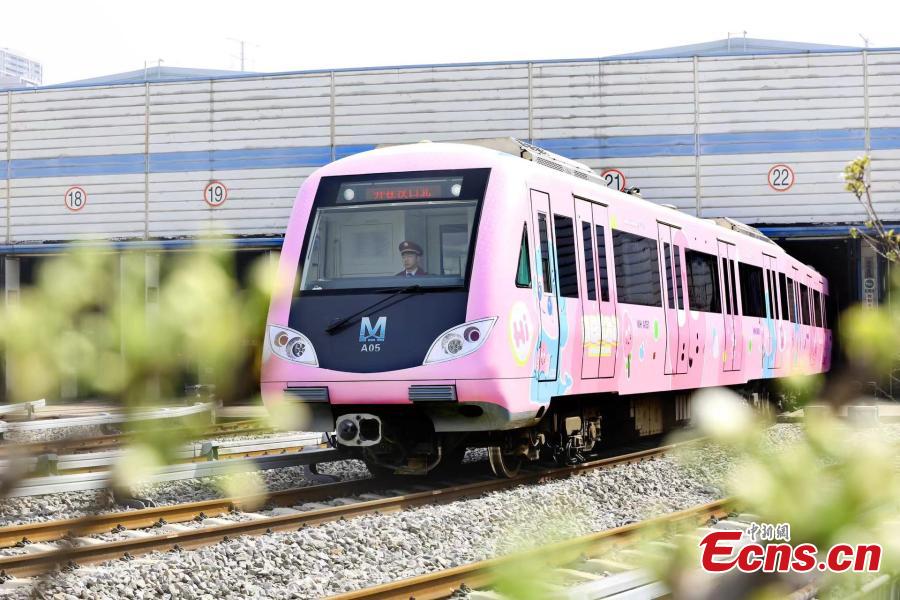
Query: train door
x,y
730,335
591,329
771,328
606,292
548,295
677,334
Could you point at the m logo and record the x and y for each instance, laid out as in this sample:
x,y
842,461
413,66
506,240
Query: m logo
x,y
368,333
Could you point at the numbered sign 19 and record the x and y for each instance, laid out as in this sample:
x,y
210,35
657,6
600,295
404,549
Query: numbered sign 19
x,y
215,194
75,198
614,179
781,178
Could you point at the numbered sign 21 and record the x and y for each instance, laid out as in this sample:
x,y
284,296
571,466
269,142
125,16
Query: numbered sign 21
x,y
614,179
215,194
75,198
781,178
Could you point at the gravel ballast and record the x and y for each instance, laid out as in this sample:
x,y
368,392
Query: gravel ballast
x,y
345,555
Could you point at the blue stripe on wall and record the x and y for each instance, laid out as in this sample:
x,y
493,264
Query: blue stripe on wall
x,y
576,148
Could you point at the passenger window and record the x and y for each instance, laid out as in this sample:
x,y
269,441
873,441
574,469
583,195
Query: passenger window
x,y
589,276
785,313
545,252
733,280
703,281
670,291
817,308
792,301
637,269
601,258
804,303
566,263
752,292
679,293
728,284
523,273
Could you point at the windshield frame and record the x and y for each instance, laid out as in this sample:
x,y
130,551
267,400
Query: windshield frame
x,y
474,188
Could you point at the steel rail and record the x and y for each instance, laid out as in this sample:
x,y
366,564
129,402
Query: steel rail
x,y
442,584
110,418
73,445
32,564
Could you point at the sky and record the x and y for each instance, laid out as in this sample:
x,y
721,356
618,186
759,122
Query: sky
x,y
77,39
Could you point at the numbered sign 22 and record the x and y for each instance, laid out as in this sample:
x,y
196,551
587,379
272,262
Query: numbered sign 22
x,y
781,178
75,198
614,179
215,194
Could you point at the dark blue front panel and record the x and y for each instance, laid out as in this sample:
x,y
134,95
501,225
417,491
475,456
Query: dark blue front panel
x,y
393,335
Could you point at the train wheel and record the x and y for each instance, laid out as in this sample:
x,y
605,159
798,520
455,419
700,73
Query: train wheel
x,y
503,465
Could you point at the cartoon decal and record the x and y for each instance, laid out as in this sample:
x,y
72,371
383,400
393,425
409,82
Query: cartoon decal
x,y
520,333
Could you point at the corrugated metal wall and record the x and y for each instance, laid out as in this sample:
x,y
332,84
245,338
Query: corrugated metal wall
x,y
699,133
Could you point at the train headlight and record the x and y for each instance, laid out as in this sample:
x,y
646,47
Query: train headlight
x,y
460,340
292,345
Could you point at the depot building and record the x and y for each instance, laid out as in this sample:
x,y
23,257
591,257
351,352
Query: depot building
x,y
756,130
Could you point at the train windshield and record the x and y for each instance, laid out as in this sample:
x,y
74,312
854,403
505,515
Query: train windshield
x,y
392,231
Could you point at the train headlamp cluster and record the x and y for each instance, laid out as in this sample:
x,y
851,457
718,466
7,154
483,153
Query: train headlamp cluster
x,y
460,340
292,345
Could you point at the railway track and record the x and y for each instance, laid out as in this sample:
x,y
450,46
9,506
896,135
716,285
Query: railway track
x,y
107,442
354,498
576,568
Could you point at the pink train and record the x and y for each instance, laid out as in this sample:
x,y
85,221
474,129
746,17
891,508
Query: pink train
x,y
438,296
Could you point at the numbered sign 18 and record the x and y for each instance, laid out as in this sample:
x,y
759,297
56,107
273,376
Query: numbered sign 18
x,y
781,178
75,198
215,193
614,179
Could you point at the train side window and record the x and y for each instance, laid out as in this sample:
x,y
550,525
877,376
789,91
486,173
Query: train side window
x,y
733,280
669,284
824,310
589,276
817,308
523,272
637,269
804,303
703,281
566,262
545,251
785,313
600,230
679,293
752,291
728,284
792,301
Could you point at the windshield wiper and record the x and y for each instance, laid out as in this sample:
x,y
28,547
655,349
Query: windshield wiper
x,y
341,323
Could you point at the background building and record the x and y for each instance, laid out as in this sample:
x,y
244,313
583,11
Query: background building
x,y
18,71
756,130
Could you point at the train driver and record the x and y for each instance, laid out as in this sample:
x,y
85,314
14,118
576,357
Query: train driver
x,y
410,253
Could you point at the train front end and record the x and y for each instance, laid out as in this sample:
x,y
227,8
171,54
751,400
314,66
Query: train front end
x,y
382,325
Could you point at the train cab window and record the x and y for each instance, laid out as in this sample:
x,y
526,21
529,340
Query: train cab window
x,y
825,310
523,272
804,304
381,231
566,260
752,291
600,230
637,269
703,281
782,282
817,308
544,236
589,276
